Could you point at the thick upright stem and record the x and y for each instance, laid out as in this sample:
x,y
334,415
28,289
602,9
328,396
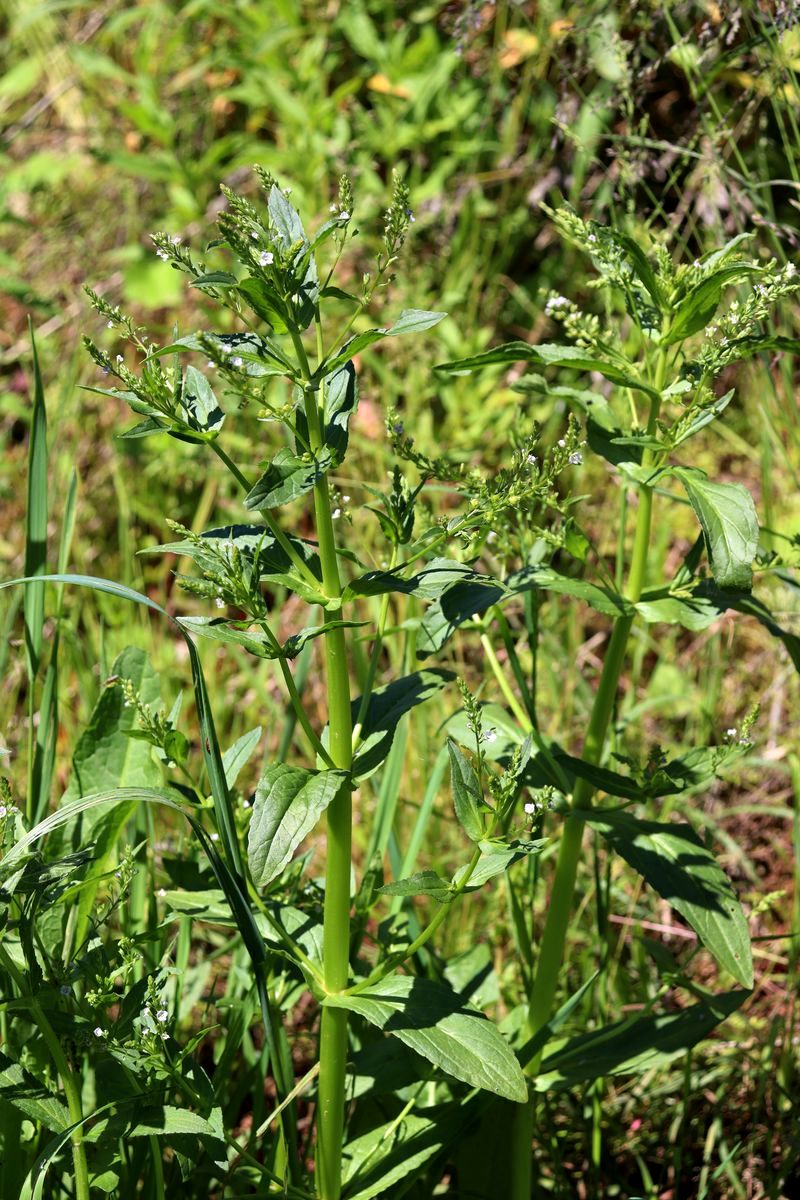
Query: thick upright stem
x,y
336,920
551,949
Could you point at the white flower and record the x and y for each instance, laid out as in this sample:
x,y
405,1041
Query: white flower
x,y
99,1033
120,358
254,234
411,217
731,733
490,735
532,460
3,811
790,269
346,499
162,254
236,361
212,366
245,804
562,443
344,215
530,808
215,837
576,458
333,208
162,892
266,258
109,325
337,512
491,537
162,1015
592,237
219,602
176,240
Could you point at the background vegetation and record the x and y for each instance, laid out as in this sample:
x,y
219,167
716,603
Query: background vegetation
x,y
121,118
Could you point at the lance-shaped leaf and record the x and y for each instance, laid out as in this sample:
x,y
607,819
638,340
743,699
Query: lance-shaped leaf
x,y
25,1093
203,413
341,402
635,1045
387,705
259,355
496,857
288,803
431,582
424,883
433,1021
285,219
467,792
602,599
458,604
551,356
287,478
697,308
678,866
728,518
412,320
252,542
396,1152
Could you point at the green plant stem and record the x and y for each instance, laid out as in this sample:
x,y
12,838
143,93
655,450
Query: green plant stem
x,y
70,1084
336,917
554,936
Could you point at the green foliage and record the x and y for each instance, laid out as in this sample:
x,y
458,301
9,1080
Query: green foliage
x,y
509,549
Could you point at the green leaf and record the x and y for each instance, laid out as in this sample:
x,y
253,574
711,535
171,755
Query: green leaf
x,y
287,478
600,598
215,278
260,355
467,793
430,1019
496,857
203,413
36,520
692,612
266,303
288,803
641,266
352,347
239,754
728,518
219,629
703,417
341,402
393,1153
550,356
635,1045
415,320
252,541
25,1093
429,583
457,604
678,866
294,644
697,308
424,883
387,705
285,219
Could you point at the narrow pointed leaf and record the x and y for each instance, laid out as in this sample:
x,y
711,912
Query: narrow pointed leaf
x,y
288,803
635,1045
728,518
677,865
466,791
430,1019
